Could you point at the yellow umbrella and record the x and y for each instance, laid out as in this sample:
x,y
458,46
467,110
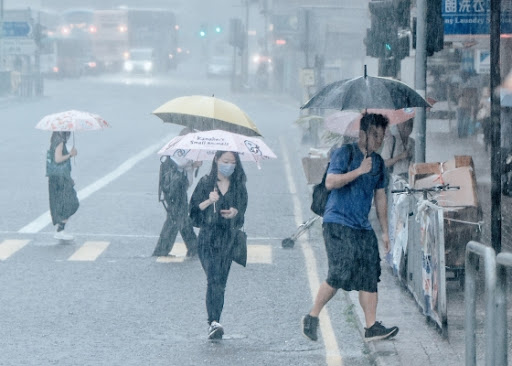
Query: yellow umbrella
x,y
207,113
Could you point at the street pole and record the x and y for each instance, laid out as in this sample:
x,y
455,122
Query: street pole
x,y
245,53
2,65
495,34
420,120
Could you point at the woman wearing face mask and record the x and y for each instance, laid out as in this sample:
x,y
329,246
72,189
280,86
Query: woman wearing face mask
x,y
63,199
218,207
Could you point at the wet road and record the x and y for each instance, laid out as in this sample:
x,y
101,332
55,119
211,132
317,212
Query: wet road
x,y
102,299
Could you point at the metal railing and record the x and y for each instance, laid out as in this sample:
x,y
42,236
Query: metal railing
x,y
503,264
474,253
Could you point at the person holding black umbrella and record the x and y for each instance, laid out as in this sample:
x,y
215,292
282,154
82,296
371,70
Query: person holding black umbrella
x,y
356,173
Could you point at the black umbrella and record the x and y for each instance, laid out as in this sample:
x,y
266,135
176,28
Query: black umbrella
x,y
366,92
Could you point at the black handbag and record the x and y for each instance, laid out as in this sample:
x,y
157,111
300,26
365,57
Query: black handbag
x,y
239,250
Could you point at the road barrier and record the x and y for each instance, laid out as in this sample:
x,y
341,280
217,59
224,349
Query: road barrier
x,y
418,253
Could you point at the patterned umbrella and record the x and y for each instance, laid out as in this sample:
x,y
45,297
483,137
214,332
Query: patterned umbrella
x,y
346,123
199,146
72,120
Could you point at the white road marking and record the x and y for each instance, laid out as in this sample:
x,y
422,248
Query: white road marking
x,y
45,219
256,254
9,247
178,254
89,251
259,254
333,355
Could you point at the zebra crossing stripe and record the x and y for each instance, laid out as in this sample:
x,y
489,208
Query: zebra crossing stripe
x,y
178,254
89,251
256,254
9,247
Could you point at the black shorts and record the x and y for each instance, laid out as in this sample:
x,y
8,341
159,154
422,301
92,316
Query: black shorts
x,y
353,255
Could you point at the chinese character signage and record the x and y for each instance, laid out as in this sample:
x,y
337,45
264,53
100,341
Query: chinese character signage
x,y
474,16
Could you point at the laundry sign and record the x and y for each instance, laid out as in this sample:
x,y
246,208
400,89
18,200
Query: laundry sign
x,y
466,17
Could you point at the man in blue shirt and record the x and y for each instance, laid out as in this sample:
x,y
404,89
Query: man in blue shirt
x,y
356,173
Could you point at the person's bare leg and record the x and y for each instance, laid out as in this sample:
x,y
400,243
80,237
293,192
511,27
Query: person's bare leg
x,y
368,302
325,293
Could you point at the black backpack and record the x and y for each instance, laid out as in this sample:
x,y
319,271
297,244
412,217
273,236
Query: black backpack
x,y
321,193
171,184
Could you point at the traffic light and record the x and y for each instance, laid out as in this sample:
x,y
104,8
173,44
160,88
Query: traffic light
x,y
218,29
39,33
388,36
203,30
381,37
434,28
236,33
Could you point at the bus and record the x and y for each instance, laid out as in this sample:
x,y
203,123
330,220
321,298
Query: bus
x,y
73,43
125,29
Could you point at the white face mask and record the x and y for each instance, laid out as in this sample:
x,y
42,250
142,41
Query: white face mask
x,y
226,169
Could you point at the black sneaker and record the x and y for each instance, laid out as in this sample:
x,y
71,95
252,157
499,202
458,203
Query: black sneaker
x,y
378,331
309,327
215,331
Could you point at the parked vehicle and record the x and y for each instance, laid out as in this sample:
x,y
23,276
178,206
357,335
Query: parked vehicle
x,y
140,60
219,66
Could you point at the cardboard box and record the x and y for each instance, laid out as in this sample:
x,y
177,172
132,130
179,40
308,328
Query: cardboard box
x,y
463,208
314,168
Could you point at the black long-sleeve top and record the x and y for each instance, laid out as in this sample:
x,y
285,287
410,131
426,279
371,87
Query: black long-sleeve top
x,y
236,196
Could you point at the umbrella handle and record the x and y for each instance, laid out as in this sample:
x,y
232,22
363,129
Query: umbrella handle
x,y
74,157
214,208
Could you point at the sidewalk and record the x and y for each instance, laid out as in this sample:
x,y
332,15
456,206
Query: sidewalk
x,y
418,341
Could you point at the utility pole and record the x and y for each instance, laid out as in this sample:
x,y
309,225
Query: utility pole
x,y
2,65
245,54
420,82
495,36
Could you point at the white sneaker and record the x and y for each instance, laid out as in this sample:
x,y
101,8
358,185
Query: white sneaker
x,y
62,235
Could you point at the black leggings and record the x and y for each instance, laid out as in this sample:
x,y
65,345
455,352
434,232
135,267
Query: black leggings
x,y
215,257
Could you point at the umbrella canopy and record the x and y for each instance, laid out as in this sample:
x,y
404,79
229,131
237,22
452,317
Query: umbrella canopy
x,y
202,145
346,123
72,120
207,113
366,92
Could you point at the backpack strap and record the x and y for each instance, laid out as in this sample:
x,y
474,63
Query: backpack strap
x,y
350,158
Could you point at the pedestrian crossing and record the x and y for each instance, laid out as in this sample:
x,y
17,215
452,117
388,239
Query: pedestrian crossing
x,y
90,251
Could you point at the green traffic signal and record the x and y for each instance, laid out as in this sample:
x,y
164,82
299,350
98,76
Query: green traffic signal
x,y
202,33
218,29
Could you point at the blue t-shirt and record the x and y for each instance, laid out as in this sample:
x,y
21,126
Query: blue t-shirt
x,y
350,204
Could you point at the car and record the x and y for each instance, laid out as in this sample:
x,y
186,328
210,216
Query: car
x,y
140,60
219,66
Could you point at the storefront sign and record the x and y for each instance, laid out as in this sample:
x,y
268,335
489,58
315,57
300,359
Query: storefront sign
x,y
467,17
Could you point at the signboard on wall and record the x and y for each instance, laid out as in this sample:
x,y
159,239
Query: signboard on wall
x,y
483,61
467,17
